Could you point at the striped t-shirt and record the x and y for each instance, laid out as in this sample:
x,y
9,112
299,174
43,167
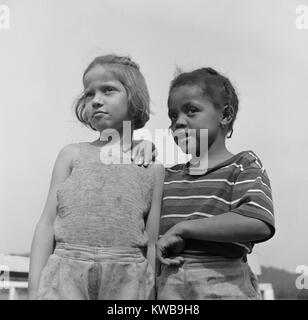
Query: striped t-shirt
x,y
239,185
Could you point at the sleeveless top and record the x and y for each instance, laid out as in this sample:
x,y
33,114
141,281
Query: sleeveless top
x,y
103,204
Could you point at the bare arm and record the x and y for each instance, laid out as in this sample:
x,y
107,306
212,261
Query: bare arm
x,y
152,226
227,227
43,239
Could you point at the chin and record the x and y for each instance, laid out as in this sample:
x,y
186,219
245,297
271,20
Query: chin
x,y
188,147
186,150
103,126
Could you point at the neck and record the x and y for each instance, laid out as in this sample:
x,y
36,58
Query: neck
x,y
114,138
216,153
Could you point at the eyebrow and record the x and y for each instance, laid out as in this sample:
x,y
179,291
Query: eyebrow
x,y
102,85
184,105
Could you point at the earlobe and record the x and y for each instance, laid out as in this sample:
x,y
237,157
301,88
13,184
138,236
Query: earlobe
x,y
227,117
228,114
230,134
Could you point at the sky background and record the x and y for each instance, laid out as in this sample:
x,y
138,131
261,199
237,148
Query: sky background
x,y
255,43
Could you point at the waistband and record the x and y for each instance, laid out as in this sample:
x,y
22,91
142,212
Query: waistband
x,y
211,262
100,254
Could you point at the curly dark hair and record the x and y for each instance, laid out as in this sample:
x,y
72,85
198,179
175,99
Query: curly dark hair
x,y
215,86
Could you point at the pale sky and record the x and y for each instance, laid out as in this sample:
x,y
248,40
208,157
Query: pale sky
x,y
255,43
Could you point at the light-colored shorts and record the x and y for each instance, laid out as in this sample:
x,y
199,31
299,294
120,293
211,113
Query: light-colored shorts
x,y
203,278
96,273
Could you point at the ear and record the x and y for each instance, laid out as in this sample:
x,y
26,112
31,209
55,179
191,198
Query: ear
x,y
227,115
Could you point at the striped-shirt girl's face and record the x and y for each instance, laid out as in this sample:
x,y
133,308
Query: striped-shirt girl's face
x,y
188,109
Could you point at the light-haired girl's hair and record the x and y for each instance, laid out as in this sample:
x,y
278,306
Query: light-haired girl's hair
x,y
128,73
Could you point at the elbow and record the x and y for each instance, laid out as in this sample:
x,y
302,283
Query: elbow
x,y
263,231
43,226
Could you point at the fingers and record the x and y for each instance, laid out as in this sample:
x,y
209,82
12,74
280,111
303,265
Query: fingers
x,y
163,260
135,151
147,154
161,248
144,153
160,252
137,154
175,261
139,160
154,155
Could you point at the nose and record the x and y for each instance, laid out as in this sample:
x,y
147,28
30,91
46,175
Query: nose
x,y
97,101
180,122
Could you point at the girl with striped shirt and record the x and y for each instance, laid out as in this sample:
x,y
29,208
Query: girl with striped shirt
x,y
213,214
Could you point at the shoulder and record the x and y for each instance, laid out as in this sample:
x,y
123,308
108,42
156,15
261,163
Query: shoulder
x,y
69,152
175,171
249,160
159,178
158,168
64,162
176,168
157,172
251,168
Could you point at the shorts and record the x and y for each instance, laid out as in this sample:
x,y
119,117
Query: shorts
x,y
204,278
96,273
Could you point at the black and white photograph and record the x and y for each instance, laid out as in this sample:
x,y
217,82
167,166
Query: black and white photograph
x,y
153,150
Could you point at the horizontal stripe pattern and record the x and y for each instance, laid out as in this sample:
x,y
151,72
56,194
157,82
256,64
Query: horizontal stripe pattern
x,y
187,215
238,185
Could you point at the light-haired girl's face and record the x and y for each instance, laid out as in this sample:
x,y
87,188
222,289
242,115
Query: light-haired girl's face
x,y
106,101
190,109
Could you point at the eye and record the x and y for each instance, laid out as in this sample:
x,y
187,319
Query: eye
x,y
88,94
108,89
191,110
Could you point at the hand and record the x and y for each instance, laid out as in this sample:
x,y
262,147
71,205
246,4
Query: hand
x,y
168,247
144,152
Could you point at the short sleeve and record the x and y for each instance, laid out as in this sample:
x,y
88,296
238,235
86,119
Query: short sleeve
x,y
252,197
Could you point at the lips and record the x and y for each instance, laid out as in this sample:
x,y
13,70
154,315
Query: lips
x,y
180,138
99,114
183,134
184,137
